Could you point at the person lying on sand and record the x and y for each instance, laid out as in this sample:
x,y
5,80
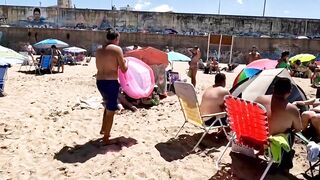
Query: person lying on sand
x,y
213,99
312,116
124,103
283,117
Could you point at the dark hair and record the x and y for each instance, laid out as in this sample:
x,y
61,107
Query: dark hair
x,y
112,34
284,54
54,47
220,78
282,86
298,62
36,10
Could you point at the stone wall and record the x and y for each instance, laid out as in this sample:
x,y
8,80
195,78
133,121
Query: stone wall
x,y
269,47
154,22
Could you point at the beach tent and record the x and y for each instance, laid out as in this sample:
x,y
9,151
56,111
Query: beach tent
x,y
262,84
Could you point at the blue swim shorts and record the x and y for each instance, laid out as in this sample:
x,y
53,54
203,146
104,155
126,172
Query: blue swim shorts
x,y
109,89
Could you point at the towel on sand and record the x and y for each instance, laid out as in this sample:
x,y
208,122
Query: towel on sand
x,y
278,143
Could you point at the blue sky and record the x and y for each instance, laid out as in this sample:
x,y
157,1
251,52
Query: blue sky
x,y
281,8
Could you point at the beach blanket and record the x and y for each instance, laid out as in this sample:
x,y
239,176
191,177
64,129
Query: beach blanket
x,y
90,103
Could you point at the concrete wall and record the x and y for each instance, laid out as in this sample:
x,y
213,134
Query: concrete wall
x,y
133,21
269,48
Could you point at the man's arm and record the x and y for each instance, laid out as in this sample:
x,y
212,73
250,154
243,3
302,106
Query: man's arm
x,y
121,61
297,124
305,103
224,94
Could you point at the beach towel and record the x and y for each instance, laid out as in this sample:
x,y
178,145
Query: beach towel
x,y
159,72
313,150
278,143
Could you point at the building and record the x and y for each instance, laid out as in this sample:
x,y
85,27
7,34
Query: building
x,y
64,3
127,8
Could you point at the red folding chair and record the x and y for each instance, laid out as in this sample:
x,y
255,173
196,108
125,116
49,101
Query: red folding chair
x,y
249,123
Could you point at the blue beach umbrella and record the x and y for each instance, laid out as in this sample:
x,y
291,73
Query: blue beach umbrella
x,y
175,56
47,43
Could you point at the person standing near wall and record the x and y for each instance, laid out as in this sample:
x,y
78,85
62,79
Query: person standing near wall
x,y
253,55
193,68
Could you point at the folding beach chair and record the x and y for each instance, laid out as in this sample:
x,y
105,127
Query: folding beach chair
x,y
172,78
313,166
190,108
46,63
3,75
249,123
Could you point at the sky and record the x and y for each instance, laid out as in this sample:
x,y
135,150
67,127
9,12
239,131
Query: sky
x,y
278,8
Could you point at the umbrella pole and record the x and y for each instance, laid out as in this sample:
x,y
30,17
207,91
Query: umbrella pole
x,y
231,50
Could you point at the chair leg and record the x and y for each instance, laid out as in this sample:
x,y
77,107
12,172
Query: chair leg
x,y
224,130
266,170
224,151
180,129
203,135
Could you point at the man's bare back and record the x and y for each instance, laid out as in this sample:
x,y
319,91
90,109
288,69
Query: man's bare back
x,y
213,100
282,116
108,60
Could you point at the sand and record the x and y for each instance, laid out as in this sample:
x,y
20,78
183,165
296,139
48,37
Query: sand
x,y
45,134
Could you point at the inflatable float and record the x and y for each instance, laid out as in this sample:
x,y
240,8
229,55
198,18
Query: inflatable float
x,y
138,82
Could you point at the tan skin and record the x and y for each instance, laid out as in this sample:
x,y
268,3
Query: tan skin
x,y
55,59
108,60
213,99
312,116
196,55
253,55
282,115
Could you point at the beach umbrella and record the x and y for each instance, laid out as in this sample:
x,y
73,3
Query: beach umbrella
x,y
263,64
302,58
175,56
47,43
262,84
149,55
245,74
74,50
9,56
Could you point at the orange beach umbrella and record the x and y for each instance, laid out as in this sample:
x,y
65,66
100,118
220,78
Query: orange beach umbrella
x,y
149,55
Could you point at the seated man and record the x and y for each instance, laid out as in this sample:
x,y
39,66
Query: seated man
x,y
283,117
312,116
213,99
212,65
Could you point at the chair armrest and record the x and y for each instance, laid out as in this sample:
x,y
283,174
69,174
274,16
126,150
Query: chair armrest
x,y
220,115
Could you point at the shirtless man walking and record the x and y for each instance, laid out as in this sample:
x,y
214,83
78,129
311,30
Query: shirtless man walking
x,y
108,59
213,98
195,57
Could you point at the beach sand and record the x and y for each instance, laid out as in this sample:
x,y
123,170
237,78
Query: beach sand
x,y
46,134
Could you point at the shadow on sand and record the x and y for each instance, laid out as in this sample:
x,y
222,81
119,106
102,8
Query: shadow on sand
x,y
84,152
244,167
182,146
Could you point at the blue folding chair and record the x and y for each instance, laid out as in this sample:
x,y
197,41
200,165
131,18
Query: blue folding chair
x,y
3,75
46,63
